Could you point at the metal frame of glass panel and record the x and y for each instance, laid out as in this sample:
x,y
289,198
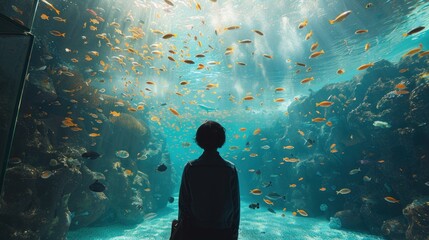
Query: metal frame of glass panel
x,y
10,28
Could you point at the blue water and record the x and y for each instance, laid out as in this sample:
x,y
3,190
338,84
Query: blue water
x,y
128,70
254,224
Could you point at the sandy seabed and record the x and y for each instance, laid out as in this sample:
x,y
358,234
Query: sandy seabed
x,y
254,224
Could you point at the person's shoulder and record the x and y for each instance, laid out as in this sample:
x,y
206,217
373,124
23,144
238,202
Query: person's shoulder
x,y
191,163
229,164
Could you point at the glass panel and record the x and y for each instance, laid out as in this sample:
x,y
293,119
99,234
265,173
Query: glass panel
x,y
324,103
21,12
15,51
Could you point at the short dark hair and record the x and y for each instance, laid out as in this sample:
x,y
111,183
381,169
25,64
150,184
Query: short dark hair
x,y
210,135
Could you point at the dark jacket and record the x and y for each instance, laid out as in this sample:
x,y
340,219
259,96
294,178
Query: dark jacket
x,y
209,196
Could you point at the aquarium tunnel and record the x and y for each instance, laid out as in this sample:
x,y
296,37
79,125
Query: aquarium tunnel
x,y
325,105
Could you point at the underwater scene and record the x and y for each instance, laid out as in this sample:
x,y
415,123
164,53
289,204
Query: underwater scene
x,y
325,105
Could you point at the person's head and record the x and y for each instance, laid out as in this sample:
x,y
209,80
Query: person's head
x,y
210,135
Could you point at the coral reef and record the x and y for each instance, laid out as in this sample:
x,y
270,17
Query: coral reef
x,y
46,190
417,214
373,142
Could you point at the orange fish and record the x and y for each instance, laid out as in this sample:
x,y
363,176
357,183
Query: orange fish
x,y
324,104
257,131
51,7
391,199
360,31
365,66
248,98
292,185
291,160
94,134
306,80
318,119
316,54
302,212
340,17
301,132
303,24
413,51
44,17
242,129
267,201
174,111
256,191
329,124
367,46
340,71
200,66
128,173
279,100
288,147
169,35
314,46
115,114
400,86
322,189
46,174
279,89
308,36
57,33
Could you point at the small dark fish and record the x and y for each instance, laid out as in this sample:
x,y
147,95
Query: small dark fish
x,y
163,104
258,172
171,199
415,30
254,206
91,155
97,186
369,5
161,168
271,210
309,142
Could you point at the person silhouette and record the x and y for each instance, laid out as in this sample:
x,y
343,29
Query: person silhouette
x,y
209,198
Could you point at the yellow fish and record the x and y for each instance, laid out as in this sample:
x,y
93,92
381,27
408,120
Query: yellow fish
x,y
365,66
51,7
340,17
316,54
57,33
303,24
